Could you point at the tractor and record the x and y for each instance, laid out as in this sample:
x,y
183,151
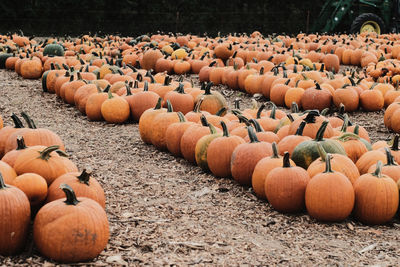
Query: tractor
x,y
357,16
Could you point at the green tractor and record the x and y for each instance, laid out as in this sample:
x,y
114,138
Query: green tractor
x,y
357,16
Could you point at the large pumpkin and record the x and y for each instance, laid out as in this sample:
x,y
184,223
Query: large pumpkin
x,y
285,187
15,217
329,195
71,229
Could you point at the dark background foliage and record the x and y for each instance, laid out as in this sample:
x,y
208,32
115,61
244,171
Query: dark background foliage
x,y
135,17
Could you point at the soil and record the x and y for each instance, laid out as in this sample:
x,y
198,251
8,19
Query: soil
x,y
165,211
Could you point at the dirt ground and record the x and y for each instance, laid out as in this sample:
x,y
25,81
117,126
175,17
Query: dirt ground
x,y
164,211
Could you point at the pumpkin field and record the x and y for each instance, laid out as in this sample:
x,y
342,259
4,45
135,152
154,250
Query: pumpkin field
x,y
172,149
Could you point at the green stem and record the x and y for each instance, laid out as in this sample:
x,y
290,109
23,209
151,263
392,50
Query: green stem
x,y
321,131
212,129
110,94
345,123
158,105
107,89
236,103
224,129
181,117
259,111
300,130
252,135
17,122
198,104
84,177
275,153
70,194
378,170
29,121
146,86
390,158
169,106
2,183
204,121
208,88
220,112
290,117
310,118
257,126
45,153
356,130
328,167
286,160
294,108
180,89
20,143
395,146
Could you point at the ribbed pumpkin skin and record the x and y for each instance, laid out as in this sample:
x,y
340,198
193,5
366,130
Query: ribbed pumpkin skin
x,y
285,189
173,136
306,152
7,172
340,163
93,190
245,158
219,153
368,159
377,199
329,197
189,140
69,233
201,150
15,217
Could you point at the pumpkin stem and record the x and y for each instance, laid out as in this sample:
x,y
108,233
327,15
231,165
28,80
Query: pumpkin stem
x,y
17,122
259,111
221,112
345,123
317,86
273,111
212,129
378,170
328,166
294,108
181,117
29,121
395,146
20,143
290,117
2,183
84,177
128,90
110,94
169,106
224,129
390,158
208,88
257,126
356,129
321,131
70,194
325,111
45,153
236,103
252,135
321,151
275,153
180,89
198,104
204,121
300,130
158,105
286,160
310,118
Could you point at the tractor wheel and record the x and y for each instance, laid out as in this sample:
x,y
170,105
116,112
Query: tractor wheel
x,y
368,22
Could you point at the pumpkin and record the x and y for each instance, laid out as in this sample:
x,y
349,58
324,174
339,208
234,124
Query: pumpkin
x,y
12,155
72,229
115,109
285,187
83,185
15,214
159,126
219,152
202,146
316,98
32,68
246,156
339,163
354,146
263,167
44,161
174,134
150,58
145,121
329,195
346,96
212,101
52,50
34,186
93,105
306,152
377,197
6,131
142,101
289,142
262,135
368,159
372,100
179,100
314,121
391,168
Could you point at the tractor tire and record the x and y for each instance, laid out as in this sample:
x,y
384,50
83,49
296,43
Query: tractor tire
x,y
375,20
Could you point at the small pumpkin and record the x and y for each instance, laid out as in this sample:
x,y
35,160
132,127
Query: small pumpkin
x,y
202,146
34,186
115,109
